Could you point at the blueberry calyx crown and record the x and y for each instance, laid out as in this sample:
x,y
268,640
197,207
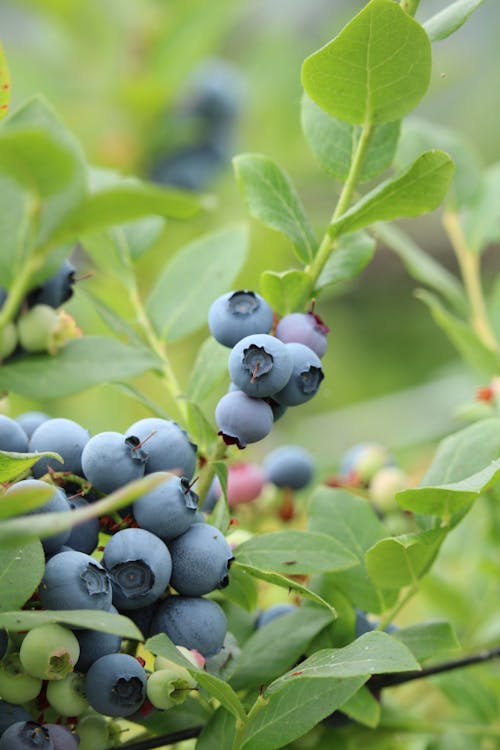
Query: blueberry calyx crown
x,y
257,361
137,452
128,691
243,302
95,579
310,380
133,577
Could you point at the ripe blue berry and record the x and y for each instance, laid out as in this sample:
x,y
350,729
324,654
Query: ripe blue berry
x,y
168,510
62,436
74,580
272,612
167,446
193,622
260,365
62,738
116,685
110,460
305,379
57,503
200,560
84,536
303,328
26,735
12,436
55,291
139,566
242,419
238,314
289,466
11,713
30,420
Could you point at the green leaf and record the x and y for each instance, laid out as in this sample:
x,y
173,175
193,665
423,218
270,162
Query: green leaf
x,y
286,291
373,653
4,84
85,362
202,270
15,210
137,395
163,646
462,336
448,20
242,589
218,732
12,465
402,560
142,234
480,220
285,583
209,368
109,254
105,622
421,266
272,199
294,551
112,319
291,712
21,570
277,646
200,429
363,708
428,640
464,453
22,530
353,522
418,135
24,499
333,143
353,253
446,499
376,70
123,203
419,189
36,159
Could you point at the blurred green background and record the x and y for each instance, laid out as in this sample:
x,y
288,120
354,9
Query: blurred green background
x,y
115,70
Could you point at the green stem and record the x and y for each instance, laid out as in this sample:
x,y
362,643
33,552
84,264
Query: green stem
x,y
17,291
241,726
159,348
470,270
410,6
208,471
402,601
329,244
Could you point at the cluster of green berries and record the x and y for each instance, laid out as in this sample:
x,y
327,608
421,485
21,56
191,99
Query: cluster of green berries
x,y
268,372
40,325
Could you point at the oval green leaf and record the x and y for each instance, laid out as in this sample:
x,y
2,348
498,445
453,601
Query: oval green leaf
x,y
105,622
448,20
376,70
21,570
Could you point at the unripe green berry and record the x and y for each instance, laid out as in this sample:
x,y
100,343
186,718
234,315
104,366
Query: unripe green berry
x,y
49,652
8,340
43,329
384,485
67,696
169,687
93,730
16,685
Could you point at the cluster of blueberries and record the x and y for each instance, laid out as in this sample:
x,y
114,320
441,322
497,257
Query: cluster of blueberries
x,y
372,467
268,372
162,544
40,326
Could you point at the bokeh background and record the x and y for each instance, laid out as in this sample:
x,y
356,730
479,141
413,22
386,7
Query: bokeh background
x,y
116,72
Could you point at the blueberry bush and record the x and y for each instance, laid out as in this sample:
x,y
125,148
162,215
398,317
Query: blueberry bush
x,y
135,566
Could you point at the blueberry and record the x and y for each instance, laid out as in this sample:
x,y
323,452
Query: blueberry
x,y
67,696
362,624
63,436
242,419
168,510
94,644
272,612
143,617
167,445
57,503
139,566
12,436
235,315
55,291
49,651
193,622
11,714
289,466
303,328
26,735
244,483
362,461
116,685
9,340
213,494
192,167
74,580
277,408
111,460
17,685
84,536
305,379
30,420
200,560
62,738
260,365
